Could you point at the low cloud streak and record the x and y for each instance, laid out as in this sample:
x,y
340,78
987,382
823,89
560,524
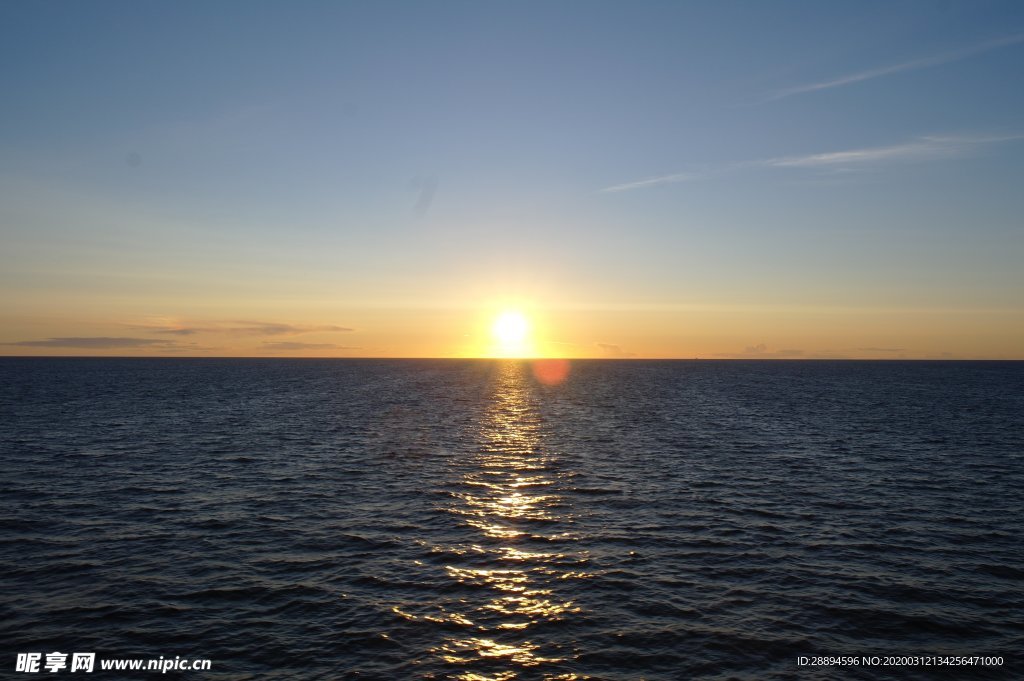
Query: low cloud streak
x,y
280,329
240,327
95,342
294,345
615,351
762,351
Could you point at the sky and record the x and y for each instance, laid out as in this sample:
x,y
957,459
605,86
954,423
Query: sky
x,y
636,179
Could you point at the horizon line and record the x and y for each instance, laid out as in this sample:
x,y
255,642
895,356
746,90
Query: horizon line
x,y
542,359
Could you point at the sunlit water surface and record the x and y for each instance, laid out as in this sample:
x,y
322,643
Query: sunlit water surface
x,y
305,519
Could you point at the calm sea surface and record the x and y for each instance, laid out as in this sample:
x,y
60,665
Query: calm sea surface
x,y
325,519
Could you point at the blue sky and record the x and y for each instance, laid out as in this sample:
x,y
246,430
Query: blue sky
x,y
327,163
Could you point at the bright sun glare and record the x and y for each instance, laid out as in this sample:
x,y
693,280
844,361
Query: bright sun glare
x,y
510,328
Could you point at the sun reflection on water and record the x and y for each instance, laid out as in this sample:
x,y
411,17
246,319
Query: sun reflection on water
x,y
508,494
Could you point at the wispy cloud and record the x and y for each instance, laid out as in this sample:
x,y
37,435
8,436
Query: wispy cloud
x,y
242,327
762,351
928,148
921,149
279,329
912,65
615,351
293,345
95,342
651,181
185,331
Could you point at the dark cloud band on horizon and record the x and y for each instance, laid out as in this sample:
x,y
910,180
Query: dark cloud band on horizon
x,y
762,351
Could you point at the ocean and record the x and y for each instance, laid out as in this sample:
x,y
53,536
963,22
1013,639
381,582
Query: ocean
x,y
464,519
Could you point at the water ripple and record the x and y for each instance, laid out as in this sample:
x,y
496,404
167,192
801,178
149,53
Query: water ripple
x,y
464,520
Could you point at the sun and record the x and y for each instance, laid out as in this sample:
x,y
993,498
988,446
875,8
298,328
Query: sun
x,y
511,335
511,329
508,331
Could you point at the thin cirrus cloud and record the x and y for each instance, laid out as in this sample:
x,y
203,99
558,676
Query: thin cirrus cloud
x,y
95,342
243,328
921,149
277,329
913,65
927,148
293,345
661,179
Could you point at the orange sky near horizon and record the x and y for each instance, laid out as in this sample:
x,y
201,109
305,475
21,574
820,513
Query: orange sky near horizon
x,y
753,332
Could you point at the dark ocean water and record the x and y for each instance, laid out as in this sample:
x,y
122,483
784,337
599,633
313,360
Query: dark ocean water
x,y
323,519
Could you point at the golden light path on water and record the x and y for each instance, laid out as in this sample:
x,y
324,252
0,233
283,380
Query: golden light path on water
x,y
508,496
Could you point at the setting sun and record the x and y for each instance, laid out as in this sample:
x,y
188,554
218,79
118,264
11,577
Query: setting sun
x,y
511,335
510,328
